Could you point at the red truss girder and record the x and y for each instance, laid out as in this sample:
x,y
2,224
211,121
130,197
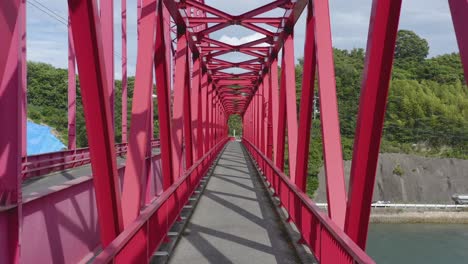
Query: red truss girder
x,y
193,121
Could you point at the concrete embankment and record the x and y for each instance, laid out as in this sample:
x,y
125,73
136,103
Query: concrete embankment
x,y
403,178
414,217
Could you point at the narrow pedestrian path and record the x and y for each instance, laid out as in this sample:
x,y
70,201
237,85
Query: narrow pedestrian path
x,y
234,221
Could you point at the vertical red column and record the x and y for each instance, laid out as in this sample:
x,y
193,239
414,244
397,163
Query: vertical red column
x,y
124,70
274,105
307,99
178,105
206,122
12,30
376,80
202,115
163,89
71,91
106,8
269,151
187,117
291,107
266,106
92,72
195,95
332,153
134,180
279,150
459,11
24,80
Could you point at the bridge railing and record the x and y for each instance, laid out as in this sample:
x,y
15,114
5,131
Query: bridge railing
x,y
41,164
327,241
142,237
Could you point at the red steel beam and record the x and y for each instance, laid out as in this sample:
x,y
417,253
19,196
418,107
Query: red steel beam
x,y
106,8
307,99
374,92
459,11
263,9
178,103
94,90
71,91
291,108
274,104
332,153
195,95
163,89
133,181
202,113
12,96
281,125
124,67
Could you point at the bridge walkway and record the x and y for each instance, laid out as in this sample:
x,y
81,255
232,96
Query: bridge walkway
x,y
234,220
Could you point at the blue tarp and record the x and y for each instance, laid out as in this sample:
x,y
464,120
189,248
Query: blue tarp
x,y
40,139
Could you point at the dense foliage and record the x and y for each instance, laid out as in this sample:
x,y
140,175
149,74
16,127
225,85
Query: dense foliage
x,y
235,125
48,102
427,112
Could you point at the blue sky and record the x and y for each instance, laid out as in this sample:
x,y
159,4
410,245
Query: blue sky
x,y
47,38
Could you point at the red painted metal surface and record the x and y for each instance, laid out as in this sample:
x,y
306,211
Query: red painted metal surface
x,y
140,131
307,99
162,90
12,115
97,110
374,91
124,68
71,90
180,83
332,153
106,15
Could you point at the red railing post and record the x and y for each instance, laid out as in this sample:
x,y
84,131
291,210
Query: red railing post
x,y
459,11
375,83
332,152
134,183
99,126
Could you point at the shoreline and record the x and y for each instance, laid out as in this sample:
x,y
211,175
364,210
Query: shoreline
x,y
418,217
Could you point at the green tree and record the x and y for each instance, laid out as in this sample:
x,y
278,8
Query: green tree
x,y
410,46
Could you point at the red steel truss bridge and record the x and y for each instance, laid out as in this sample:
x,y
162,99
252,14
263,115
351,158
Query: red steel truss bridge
x,y
195,195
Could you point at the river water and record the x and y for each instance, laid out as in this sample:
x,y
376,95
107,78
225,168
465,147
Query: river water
x,y
418,243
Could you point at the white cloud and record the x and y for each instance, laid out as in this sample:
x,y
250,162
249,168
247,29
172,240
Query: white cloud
x,y
235,41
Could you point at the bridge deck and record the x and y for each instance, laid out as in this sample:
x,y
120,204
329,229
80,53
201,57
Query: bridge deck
x,y
234,221
44,184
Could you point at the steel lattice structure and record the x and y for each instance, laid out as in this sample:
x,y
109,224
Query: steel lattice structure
x,y
195,97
